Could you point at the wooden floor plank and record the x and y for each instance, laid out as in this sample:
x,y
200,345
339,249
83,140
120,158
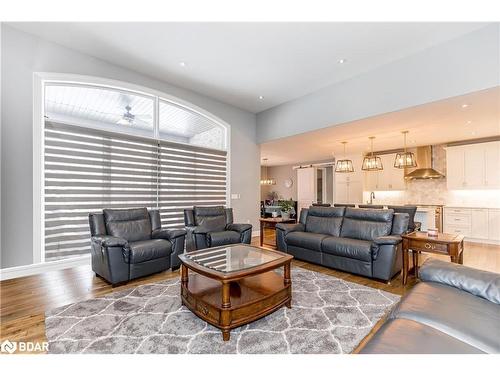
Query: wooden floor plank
x,y
24,300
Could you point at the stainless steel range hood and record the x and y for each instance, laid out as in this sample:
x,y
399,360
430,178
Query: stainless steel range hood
x,y
425,166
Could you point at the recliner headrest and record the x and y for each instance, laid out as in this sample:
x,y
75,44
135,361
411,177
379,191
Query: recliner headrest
x,y
326,211
368,214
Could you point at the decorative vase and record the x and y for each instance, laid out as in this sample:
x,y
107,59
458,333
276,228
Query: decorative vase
x,y
285,215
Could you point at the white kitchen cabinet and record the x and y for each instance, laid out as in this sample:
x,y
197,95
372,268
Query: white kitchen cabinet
x,y
475,166
474,163
492,165
388,179
455,167
349,192
494,224
371,180
473,223
479,223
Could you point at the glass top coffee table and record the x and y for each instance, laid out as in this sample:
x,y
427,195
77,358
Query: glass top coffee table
x,y
230,286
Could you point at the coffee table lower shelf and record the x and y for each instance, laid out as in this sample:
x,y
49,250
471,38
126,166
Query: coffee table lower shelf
x,y
227,305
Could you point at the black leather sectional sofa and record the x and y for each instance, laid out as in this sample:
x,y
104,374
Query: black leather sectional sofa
x,y
361,241
453,309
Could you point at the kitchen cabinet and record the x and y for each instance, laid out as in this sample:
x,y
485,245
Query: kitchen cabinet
x,y
348,192
371,180
475,166
388,179
492,164
494,224
455,167
479,223
473,223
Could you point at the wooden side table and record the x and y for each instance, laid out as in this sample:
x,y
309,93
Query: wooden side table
x,y
270,222
444,244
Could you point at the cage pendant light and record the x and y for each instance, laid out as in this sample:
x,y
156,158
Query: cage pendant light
x,y
266,180
405,159
344,165
372,162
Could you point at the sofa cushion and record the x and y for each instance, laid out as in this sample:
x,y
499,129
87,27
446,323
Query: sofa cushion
x,y
348,247
366,224
325,220
223,238
480,283
212,219
465,317
130,224
306,240
142,251
402,336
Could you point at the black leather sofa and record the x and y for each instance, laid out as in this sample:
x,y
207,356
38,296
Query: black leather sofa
x,y
130,243
361,241
454,309
213,226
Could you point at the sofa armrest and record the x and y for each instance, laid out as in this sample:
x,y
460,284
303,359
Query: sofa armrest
x,y
168,234
240,228
287,228
109,241
199,230
387,240
384,241
480,283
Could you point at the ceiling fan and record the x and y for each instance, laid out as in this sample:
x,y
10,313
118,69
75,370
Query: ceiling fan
x,y
128,118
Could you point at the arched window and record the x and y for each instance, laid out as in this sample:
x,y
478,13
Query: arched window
x,y
112,147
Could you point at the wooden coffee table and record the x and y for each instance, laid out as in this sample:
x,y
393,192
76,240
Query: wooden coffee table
x,y
443,244
233,285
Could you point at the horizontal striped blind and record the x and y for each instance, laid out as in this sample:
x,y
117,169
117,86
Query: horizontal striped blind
x,y
87,170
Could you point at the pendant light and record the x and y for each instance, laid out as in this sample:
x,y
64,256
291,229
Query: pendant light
x,y
344,165
405,159
372,162
266,180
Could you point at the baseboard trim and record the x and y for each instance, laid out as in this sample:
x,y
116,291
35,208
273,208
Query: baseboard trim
x,y
37,268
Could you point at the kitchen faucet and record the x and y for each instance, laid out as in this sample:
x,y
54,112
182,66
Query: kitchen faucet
x,y
372,197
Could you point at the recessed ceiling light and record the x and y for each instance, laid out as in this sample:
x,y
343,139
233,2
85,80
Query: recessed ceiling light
x,y
469,122
465,105
341,61
473,133
183,64
261,97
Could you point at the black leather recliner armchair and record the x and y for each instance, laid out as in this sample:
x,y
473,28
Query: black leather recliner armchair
x,y
127,244
213,226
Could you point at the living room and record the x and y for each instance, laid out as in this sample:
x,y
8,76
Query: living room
x,y
250,188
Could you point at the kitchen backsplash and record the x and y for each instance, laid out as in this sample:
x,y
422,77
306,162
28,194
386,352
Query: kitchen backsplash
x,y
435,192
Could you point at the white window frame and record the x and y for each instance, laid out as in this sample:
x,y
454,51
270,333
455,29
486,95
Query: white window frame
x,y
40,79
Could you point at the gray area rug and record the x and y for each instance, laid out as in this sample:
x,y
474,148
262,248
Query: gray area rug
x,y
328,315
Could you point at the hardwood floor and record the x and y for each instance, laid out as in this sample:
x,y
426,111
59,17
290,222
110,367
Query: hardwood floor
x,y
23,301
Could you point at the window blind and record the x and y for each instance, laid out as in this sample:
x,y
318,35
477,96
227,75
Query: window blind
x,y
86,170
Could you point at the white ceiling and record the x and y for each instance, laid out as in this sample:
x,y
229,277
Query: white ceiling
x,y
434,123
238,62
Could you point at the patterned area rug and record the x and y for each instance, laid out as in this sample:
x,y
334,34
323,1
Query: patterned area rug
x,y
328,315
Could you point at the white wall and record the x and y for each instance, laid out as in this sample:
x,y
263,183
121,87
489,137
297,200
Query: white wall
x,y
23,54
466,64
